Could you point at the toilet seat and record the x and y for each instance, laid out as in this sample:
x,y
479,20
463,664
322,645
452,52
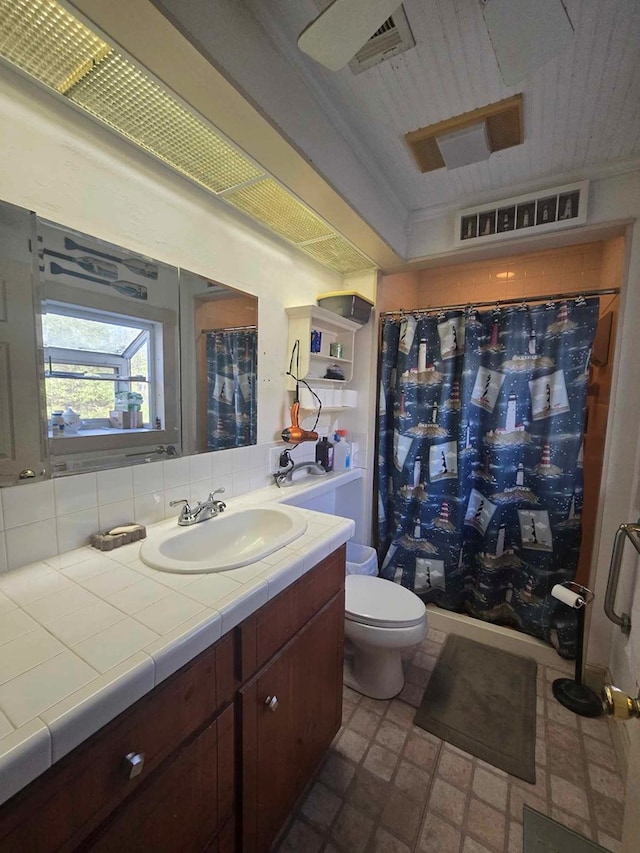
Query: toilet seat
x,y
381,603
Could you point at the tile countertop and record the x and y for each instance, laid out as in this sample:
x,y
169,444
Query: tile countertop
x,y
85,634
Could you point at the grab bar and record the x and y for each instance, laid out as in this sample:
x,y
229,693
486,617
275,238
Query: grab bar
x,y
625,531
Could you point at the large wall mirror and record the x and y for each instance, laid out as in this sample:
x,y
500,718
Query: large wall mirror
x,y
109,358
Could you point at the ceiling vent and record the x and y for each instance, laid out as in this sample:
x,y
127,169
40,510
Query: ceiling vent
x,y
392,38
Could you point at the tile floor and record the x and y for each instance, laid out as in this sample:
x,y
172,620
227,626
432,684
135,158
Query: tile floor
x,y
387,786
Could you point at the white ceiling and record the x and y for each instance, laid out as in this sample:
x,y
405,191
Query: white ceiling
x,y
581,109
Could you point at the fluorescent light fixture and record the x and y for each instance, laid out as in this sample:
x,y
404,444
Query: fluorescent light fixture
x,y
44,40
468,145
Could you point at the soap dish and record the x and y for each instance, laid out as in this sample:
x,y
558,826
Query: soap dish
x,y
123,534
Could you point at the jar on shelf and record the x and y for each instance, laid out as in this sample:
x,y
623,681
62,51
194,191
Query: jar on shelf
x,y
57,424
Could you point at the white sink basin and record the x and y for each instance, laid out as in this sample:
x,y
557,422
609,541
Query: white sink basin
x,y
230,540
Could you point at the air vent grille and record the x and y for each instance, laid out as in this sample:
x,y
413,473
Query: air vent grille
x,y
392,38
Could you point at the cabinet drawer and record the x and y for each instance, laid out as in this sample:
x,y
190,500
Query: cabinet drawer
x,y
67,802
183,805
274,624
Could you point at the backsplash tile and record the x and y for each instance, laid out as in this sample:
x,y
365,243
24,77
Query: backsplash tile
x,y
112,514
176,472
115,485
28,503
200,467
40,520
73,494
148,478
75,528
31,542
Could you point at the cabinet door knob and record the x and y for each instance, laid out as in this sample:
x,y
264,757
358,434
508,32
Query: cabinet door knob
x,y
271,702
134,764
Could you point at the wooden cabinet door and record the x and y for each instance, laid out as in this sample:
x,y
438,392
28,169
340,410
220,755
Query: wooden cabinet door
x,y
184,803
282,746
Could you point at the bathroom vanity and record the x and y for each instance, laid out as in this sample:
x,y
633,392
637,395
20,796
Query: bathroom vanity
x,y
215,756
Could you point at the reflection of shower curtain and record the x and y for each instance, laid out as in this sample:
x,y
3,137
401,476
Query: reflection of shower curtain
x,y
232,357
480,461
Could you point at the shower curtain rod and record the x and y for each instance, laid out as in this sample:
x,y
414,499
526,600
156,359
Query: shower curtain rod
x,y
229,329
500,303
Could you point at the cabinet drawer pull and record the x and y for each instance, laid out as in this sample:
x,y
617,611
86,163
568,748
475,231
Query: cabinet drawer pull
x,y
271,702
134,764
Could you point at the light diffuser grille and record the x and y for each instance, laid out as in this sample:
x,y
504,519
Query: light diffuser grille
x,y
272,205
337,253
132,103
43,39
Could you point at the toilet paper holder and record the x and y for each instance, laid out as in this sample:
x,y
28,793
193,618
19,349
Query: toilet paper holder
x,y
572,692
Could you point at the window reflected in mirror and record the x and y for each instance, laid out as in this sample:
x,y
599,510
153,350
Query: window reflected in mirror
x,y
109,358
97,367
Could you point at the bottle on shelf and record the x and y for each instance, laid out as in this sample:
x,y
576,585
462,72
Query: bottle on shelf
x,y
57,424
324,453
341,451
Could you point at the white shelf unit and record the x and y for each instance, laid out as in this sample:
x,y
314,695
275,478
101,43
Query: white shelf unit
x,y
313,366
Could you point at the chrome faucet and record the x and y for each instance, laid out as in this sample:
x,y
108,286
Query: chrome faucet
x,y
202,511
285,478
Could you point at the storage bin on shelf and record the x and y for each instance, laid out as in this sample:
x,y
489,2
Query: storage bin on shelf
x,y
348,304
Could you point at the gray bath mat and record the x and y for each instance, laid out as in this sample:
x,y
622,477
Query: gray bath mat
x,y
483,700
542,834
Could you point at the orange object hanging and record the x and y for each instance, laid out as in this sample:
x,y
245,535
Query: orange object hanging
x,y
294,434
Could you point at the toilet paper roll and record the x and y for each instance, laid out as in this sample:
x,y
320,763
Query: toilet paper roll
x,y
567,596
350,398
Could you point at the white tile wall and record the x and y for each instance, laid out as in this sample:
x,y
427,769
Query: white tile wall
x,y
74,494
31,542
116,485
40,520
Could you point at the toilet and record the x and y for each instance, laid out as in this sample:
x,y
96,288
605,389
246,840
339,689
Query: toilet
x,y
382,620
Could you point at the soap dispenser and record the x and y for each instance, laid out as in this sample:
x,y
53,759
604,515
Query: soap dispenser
x,y
324,453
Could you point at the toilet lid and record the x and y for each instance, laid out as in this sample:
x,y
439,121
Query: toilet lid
x,y
385,604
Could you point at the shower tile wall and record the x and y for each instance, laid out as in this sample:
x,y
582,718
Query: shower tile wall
x,y
387,786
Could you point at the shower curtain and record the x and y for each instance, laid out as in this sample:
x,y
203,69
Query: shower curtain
x,y
481,426
232,358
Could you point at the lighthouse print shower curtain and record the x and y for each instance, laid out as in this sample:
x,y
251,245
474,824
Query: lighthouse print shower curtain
x,y
232,362
481,428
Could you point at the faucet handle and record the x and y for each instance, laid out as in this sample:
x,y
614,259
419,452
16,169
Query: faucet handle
x,y
186,509
219,505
